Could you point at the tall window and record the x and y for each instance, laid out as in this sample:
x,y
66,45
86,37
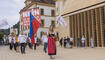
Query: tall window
x,y
52,12
42,21
53,23
104,37
42,11
103,15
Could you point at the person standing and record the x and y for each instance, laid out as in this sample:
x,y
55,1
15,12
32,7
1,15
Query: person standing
x,y
10,42
14,41
29,42
45,41
91,39
17,43
36,39
83,41
22,40
4,40
78,44
51,42
61,42
65,42
71,42
68,42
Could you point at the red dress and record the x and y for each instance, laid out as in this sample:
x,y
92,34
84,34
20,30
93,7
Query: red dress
x,y
51,45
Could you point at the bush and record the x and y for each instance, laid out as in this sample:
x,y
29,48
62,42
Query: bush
x,y
1,36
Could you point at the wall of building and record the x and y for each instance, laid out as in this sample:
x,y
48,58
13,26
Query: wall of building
x,y
86,21
72,5
46,17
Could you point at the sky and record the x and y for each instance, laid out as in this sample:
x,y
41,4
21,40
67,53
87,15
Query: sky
x,y
9,10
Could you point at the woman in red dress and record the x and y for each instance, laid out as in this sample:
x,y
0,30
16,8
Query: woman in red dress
x,y
51,43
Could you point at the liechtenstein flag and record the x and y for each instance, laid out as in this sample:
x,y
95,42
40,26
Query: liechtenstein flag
x,y
34,25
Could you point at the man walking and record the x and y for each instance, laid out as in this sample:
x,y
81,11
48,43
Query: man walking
x,y
22,40
45,41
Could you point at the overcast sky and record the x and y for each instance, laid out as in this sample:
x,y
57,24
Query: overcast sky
x,y
9,10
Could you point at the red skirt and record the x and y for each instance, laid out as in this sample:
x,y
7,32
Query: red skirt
x,y
51,46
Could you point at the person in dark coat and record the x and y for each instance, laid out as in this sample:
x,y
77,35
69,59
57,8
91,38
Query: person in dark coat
x,y
65,42
61,42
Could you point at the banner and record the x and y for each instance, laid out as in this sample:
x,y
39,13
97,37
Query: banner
x,y
61,21
26,16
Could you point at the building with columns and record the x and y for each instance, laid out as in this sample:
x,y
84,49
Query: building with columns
x,y
47,11
84,17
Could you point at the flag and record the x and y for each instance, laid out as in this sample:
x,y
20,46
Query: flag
x,y
61,21
34,25
3,23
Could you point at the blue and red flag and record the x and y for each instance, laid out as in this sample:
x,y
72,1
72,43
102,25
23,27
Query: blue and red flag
x,y
34,25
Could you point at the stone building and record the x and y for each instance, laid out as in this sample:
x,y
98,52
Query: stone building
x,y
84,17
47,11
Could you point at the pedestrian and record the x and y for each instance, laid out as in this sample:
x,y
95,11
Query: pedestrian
x,y
10,42
51,42
91,39
29,43
36,39
17,43
14,41
78,44
65,42
4,40
61,42
71,42
68,42
22,40
45,41
83,41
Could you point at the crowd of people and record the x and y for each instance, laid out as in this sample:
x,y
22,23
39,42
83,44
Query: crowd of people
x,y
20,42
67,42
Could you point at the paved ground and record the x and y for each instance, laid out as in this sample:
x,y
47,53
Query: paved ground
x,y
62,54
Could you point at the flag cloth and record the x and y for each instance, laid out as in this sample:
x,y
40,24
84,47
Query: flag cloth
x,y
61,21
34,25
3,23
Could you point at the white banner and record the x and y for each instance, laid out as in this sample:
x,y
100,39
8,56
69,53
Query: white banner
x,y
61,21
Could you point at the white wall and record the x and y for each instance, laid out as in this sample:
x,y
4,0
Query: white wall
x,y
47,9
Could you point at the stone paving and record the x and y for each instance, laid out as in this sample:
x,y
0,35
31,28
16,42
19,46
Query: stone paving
x,y
62,54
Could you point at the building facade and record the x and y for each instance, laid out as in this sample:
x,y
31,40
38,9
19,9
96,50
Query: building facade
x,y
47,11
84,17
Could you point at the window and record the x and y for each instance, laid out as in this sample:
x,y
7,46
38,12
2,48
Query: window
x,y
103,15
53,23
104,37
52,12
42,21
42,11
